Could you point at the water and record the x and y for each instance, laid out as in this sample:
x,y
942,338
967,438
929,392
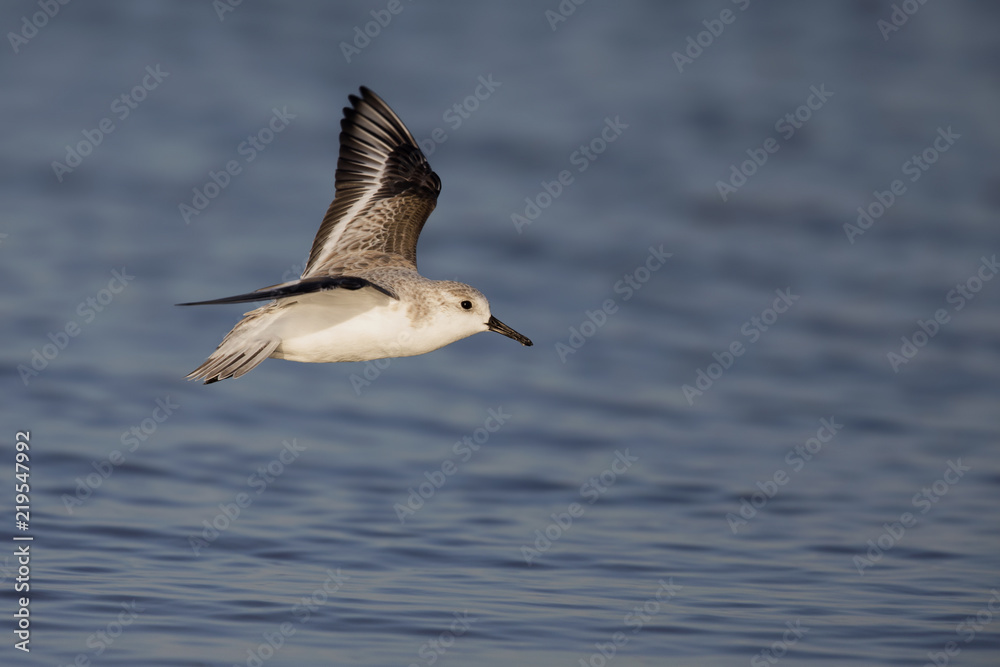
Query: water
x,y
380,515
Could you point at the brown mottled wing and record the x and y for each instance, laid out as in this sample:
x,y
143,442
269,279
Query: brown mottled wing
x,y
384,192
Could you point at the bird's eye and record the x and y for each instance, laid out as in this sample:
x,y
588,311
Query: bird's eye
x,y
467,305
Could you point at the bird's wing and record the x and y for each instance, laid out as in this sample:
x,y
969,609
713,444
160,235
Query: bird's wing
x,y
385,189
297,288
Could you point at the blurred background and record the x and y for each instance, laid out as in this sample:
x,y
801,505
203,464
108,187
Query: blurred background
x,y
755,246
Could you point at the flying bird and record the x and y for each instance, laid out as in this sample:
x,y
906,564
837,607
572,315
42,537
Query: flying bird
x,y
360,296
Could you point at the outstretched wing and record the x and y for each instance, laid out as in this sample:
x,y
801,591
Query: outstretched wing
x,y
296,288
384,192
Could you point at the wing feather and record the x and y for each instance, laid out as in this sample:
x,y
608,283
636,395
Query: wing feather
x,y
385,190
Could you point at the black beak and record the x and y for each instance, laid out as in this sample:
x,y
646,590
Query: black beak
x,y
496,325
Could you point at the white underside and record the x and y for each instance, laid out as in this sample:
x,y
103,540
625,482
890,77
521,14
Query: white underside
x,y
342,325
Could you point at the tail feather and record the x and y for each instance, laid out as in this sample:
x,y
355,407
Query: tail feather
x,y
235,356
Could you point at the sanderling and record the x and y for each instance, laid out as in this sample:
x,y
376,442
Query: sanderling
x,y
360,296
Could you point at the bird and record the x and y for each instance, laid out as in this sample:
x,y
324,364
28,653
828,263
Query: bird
x,y
360,296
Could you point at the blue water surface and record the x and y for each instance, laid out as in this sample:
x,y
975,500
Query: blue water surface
x,y
755,245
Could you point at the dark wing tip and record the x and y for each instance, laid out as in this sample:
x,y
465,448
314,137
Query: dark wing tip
x,y
298,287
370,124
371,113
378,160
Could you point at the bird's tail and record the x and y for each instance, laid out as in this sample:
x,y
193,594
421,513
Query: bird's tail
x,y
231,363
239,352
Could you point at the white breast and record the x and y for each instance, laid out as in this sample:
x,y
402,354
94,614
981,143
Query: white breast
x,y
342,325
